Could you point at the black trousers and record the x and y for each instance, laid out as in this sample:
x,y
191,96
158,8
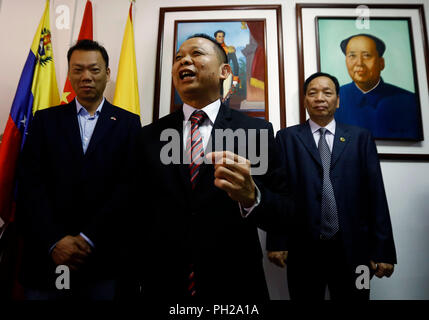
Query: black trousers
x,y
323,265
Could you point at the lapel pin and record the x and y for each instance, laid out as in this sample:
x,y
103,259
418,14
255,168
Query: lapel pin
x,y
342,139
112,118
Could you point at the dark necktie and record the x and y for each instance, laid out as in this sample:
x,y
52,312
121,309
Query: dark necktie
x,y
195,150
329,218
194,145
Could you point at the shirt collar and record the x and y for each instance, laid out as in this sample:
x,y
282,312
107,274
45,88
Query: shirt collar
x,y
373,88
330,126
80,108
211,110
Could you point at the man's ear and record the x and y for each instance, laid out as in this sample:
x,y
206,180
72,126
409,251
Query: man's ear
x,y
225,71
381,63
108,74
338,101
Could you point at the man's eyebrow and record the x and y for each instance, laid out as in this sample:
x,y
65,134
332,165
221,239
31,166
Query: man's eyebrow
x,y
193,48
84,65
354,51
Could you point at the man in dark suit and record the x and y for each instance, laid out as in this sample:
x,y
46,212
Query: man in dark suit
x,y
74,186
201,224
342,218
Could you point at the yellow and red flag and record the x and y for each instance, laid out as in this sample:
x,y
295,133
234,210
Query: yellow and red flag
x,y
127,89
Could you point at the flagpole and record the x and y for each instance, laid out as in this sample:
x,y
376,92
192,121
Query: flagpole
x,y
133,10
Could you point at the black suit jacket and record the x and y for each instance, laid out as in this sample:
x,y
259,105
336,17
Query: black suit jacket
x,y
63,191
201,226
364,219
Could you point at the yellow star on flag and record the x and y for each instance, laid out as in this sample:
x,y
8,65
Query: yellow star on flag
x,y
64,97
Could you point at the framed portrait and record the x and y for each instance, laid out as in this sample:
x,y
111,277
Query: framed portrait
x,y
379,54
252,39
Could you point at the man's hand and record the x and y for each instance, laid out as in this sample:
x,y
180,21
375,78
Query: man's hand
x,y
71,251
232,174
382,269
278,258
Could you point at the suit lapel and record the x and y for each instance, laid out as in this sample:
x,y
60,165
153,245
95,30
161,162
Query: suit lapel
x,y
181,170
306,136
70,125
183,167
223,120
341,139
106,120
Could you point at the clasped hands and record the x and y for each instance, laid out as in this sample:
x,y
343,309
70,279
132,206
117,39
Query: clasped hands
x,y
381,269
232,174
71,251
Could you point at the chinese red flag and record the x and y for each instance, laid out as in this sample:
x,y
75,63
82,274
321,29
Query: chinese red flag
x,y
85,33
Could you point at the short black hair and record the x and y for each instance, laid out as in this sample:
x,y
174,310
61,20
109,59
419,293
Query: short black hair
x,y
379,44
89,45
322,74
219,31
220,52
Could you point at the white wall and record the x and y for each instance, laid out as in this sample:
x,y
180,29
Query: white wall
x,y
407,183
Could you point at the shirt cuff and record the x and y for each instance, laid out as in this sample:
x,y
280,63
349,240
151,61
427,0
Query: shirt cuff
x,y
83,236
87,239
52,248
246,211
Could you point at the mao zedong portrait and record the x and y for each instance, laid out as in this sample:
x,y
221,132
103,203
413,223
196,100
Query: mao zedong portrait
x,y
388,111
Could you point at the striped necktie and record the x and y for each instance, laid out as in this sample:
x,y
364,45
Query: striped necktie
x,y
194,145
195,150
329,218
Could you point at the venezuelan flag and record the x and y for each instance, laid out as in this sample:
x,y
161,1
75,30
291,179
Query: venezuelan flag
x,y
127,89
37,89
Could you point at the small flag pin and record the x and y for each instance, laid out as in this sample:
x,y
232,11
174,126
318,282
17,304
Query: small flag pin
x,y
342,139
112,118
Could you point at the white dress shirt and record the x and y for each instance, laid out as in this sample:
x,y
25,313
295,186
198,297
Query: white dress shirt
x,y
329,135
206,126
